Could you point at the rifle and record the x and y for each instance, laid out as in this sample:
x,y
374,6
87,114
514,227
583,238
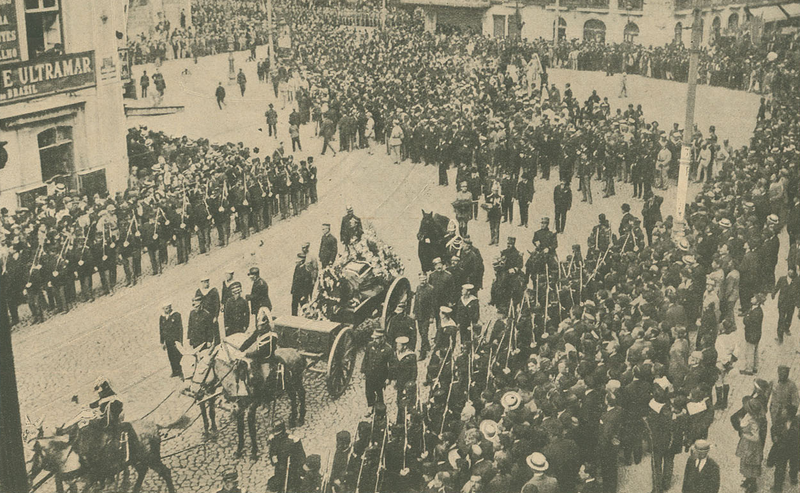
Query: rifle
x,y
447,402
381,462
441,368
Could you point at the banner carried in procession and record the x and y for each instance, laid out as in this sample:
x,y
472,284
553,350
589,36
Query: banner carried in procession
x,y
9,34
46,75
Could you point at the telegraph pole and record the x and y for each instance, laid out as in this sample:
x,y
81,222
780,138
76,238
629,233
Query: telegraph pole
x,y
688,126
13,476
271,34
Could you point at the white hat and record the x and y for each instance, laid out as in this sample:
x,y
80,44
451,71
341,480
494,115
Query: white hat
x,y
537,462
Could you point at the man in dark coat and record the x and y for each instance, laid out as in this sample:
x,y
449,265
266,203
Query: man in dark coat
x,y
259,294
702,473
351,229
405,373
659,425
328,247
565,460
211,303
375,366
562,200
608,447
424,311
788,290
170,327
634,399
302,283
400,324
237,312
651,214
524,198
548,242
200,327
753,321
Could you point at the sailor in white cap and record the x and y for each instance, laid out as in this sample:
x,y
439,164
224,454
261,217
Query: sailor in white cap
x,y
170,328
467,313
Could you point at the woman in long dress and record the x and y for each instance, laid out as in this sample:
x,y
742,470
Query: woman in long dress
x,y
750,449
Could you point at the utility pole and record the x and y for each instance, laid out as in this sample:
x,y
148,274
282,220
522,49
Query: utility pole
x,y
688,126
13,476
271,34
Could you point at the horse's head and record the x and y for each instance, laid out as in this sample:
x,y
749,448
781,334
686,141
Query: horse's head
x,y
427,226
53,454
198,367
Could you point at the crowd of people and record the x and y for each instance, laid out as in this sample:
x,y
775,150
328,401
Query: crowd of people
x,y
179,190
735,64
580,360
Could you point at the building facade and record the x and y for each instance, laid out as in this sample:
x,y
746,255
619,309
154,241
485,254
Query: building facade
x,y
61,113
646,22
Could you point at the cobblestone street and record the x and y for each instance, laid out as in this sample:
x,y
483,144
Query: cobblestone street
x,y
117,336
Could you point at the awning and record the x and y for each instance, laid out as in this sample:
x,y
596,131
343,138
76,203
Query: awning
x,y
771,13
793,9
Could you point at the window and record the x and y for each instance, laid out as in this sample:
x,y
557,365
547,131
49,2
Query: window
x,y
561,30
94,183
27,199
43,26
499,26
56,152
733,21
594,30
631,32
679,34
716,28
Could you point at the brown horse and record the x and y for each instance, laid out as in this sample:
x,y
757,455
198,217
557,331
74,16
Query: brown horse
x,y
97,453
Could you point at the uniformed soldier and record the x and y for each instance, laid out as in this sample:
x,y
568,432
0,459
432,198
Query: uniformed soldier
x,y
375,367
211,304
200,328
170,328
337,475
405,372
237,312
424,311
400,324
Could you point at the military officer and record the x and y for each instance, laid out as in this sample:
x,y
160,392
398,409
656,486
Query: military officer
x,y
375,367
237,313
201,326
405,373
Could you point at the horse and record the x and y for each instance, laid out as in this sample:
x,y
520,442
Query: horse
x,y
248,381
432,236
198,370
91,453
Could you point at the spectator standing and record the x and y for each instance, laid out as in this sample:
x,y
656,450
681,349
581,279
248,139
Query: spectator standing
x,y
702,473
753,320
220,94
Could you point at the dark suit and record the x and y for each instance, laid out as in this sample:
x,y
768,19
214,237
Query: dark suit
x,y
634,399
659,425
171,331
259,296
705,481
562,200
200,328
610,427
565,462
237,315
589,416
328,249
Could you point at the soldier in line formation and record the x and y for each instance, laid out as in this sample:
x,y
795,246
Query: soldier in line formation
x,y
585,360
55,251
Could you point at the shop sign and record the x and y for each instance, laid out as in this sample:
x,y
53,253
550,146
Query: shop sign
x,y
9,33
46,75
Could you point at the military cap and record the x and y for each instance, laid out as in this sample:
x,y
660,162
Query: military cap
x,y
253,271
236,285
230,476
